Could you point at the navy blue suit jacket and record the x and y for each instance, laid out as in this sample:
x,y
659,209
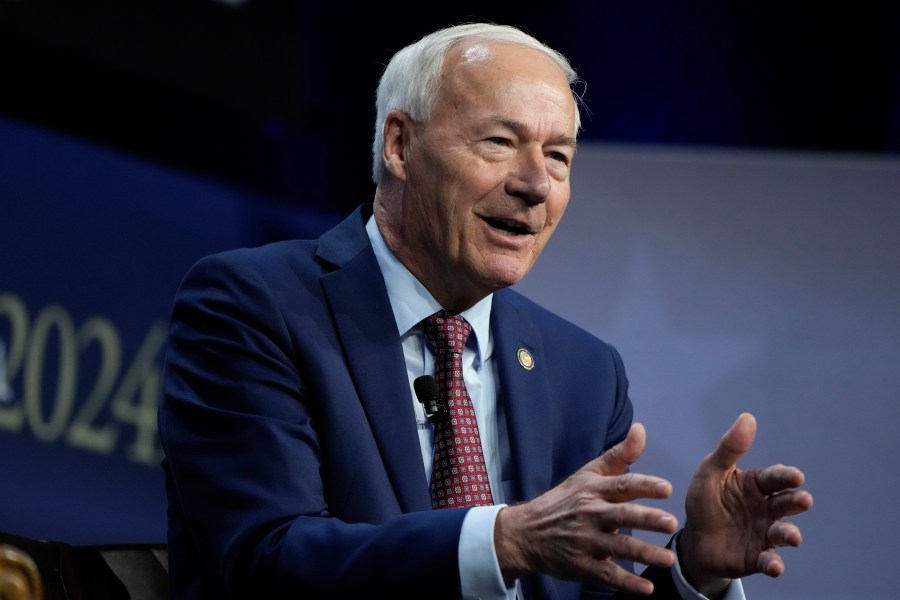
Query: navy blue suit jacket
x,y
292,462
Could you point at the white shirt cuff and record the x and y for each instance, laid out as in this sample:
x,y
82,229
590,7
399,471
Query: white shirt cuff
x,y
479,571
734,591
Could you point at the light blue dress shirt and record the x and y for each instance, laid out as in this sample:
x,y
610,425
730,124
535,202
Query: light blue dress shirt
x,y
480,575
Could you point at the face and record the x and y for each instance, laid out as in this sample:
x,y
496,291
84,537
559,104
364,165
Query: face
x,y
486,180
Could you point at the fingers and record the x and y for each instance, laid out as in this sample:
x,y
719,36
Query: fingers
x,y
780,534
786,504
614,575
612,517
614,463
617,459
607,503
628,548
778,478
769,563
580,542
779,483
630,486
783,533
617,577
735,516
734,443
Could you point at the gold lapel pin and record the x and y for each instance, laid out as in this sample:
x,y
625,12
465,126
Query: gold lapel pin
x,y
525,359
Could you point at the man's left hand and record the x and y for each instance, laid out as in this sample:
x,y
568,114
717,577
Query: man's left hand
x,y
734,517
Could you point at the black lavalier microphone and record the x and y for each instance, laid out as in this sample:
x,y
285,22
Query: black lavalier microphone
x,y
430,396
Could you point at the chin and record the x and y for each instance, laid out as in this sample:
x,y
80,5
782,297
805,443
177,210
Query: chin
x,y
504,273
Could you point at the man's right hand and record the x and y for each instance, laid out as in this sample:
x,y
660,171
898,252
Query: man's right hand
x,y
572,531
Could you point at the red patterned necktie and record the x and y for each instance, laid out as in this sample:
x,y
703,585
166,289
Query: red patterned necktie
x,y
458,475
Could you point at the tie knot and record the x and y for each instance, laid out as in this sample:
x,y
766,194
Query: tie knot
x,y
446,332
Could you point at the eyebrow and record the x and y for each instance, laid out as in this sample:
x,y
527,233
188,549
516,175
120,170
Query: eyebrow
x,y
519,128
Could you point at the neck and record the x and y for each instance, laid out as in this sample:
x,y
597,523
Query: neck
x,y
452,293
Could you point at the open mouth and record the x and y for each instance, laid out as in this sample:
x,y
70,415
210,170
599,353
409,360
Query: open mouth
x,y
508,226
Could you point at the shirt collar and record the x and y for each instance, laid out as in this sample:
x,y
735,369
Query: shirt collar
x,y
411,302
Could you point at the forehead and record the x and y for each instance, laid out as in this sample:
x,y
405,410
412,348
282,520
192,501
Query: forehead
x,y
489,76
493,59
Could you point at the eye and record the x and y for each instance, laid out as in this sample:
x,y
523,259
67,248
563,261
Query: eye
x,y
499,141
559,156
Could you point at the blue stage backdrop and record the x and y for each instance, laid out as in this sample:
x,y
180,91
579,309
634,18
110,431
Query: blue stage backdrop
x,y
93,246
729,280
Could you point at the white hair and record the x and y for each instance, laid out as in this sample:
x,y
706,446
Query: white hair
x,y
410,81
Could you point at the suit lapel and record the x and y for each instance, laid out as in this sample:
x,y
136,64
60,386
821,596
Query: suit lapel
x,y
358,300
371,345
525,394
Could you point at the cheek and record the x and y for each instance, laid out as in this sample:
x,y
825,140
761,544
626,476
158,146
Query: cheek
x,y
555,211
549,227
556,208
541,242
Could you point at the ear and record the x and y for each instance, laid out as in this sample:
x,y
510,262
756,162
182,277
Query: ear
x,y
397,129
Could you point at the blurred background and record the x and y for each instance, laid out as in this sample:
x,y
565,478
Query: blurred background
x,y
276,97
733,229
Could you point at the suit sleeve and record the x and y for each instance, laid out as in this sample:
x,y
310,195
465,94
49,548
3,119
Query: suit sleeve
x,y
247,507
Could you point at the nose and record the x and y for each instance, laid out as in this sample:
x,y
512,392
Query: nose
x,y
529,179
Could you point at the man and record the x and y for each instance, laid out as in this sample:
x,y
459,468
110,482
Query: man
x,y
298,460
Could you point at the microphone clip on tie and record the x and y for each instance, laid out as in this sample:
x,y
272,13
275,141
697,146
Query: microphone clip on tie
x,y
429,395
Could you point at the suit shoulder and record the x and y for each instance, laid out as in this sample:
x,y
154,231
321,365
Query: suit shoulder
x,y
264,261
270,253
553,327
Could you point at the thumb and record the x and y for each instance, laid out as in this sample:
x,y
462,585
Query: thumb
x,y
734,443
617,459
